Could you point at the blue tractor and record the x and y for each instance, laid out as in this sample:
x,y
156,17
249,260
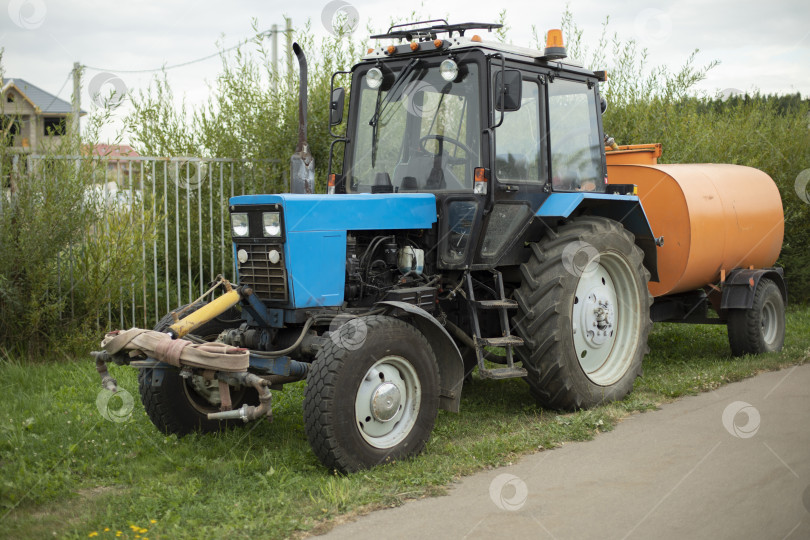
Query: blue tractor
x,y
470,227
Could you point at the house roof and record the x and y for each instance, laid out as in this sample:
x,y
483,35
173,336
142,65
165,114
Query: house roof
x,y
46,103
113,151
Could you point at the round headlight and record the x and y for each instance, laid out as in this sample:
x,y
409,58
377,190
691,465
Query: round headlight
x,y
449,70
374,78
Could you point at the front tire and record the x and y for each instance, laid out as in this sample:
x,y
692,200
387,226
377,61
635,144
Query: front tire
x,y
584,315
372,394
180,406
761,328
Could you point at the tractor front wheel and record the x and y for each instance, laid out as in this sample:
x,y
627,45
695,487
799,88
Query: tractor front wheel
x,y
372,394
584,314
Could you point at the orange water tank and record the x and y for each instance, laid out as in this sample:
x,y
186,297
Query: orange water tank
x,y
713,218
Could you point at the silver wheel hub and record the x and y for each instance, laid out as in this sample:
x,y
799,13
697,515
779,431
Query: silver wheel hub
x,y
208,390
598,317
385,402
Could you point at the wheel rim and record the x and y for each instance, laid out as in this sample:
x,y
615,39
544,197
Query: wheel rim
x,y
387,402
606,318
204,396
769,323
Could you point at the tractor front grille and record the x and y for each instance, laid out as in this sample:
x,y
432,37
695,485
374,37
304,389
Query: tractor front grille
x,y
268,280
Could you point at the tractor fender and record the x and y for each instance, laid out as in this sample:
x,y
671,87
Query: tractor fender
x,y
625,209
448,357
742,283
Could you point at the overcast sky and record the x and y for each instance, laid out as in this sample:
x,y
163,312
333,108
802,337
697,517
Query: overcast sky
x,y
761,45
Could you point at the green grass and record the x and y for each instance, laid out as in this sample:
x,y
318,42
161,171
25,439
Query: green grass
x,y
67,472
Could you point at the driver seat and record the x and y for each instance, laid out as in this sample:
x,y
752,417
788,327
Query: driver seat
x,y
417,167
435,179
425,169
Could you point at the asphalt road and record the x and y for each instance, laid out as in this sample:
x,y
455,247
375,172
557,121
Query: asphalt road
x,y
733,463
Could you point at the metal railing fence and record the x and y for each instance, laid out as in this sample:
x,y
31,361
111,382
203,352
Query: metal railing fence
x,y
182,212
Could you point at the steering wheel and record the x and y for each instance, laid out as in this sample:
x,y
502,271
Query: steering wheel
x,y
450,160
442,139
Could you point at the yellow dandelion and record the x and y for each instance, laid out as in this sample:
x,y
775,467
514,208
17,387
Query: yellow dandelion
x,y
106,529
117,533
143,530
92,534
153,521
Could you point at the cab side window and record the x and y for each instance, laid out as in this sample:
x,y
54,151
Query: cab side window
x,y
519,155
576,159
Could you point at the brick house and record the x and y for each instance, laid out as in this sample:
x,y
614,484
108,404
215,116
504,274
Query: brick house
x,y
31,119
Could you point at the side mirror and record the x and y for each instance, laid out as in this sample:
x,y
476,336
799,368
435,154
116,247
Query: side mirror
x,y
508,88
336,106
602,104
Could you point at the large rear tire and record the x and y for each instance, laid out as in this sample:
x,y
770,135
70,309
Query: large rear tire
x,y
761,328
372,394
584,315
180,406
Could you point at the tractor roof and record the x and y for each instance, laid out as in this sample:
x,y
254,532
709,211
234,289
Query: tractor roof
x,y
452,37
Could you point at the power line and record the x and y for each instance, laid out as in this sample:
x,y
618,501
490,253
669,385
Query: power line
x,y
260,35
56,96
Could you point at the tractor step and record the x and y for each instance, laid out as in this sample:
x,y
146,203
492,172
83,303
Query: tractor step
x,y
497,304
504,341
502,373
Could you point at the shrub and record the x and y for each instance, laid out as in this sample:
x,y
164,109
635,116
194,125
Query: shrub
x,y
63,250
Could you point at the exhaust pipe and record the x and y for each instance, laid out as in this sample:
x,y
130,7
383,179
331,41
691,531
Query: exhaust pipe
x,y
302,164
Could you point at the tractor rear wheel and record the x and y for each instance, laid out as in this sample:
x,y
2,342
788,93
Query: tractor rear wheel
x,y
179,405
584,314
372,394
761,328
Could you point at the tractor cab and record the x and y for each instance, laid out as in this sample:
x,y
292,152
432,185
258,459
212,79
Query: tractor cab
x,y
491,129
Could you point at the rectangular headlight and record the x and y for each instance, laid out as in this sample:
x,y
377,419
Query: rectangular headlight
x,y
271,224
239,225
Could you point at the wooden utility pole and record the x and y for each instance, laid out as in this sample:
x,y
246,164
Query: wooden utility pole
x,y
75,130
274,30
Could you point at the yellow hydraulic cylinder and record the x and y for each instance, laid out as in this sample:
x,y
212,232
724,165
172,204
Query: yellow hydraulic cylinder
x,y
206,313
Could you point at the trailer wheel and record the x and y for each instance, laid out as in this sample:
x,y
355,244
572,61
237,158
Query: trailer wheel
x,y
180,406
372,394
584,314
761,328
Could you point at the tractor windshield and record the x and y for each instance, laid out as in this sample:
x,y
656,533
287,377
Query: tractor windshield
x,y
417,128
